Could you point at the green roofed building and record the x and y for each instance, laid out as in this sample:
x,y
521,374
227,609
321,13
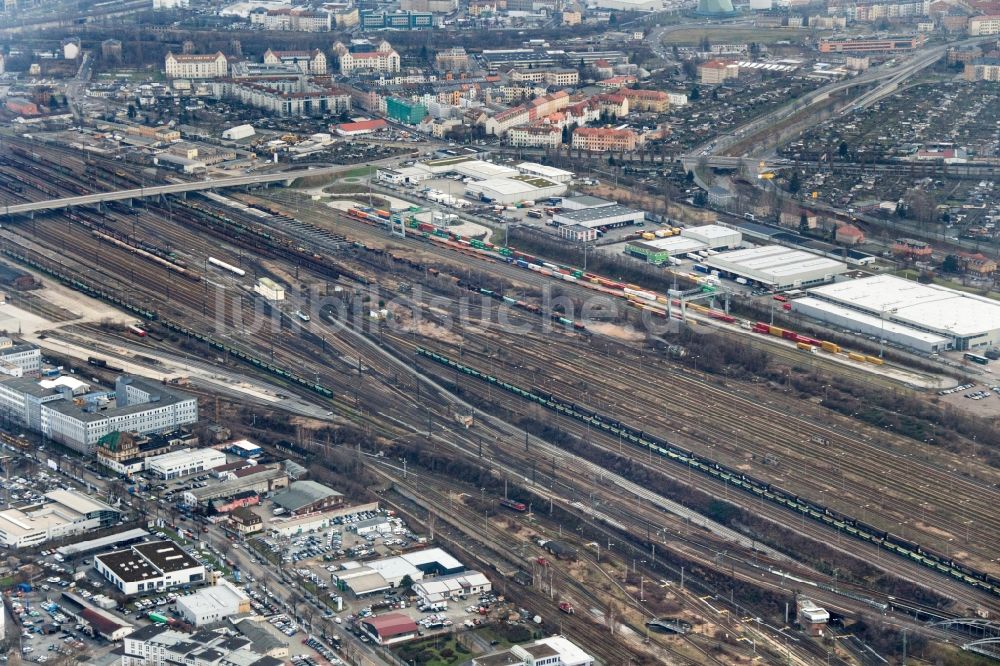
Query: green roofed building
x,y
405,111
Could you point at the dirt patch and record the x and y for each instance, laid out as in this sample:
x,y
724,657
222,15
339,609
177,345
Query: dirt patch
x,y
616,331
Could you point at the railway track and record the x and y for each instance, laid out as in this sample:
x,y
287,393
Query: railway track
x,y
292,351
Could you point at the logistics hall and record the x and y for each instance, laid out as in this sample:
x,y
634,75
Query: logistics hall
x,y
925,317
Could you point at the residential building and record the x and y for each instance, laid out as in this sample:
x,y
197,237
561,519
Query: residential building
x,y
310,62
245,520
68,411
154,566
909,247
535,136
978,263
184,462
405,111
980,26
196,66
964,54
382,59
63,513
983,69
291,18
601,139
374,20
655,101
715,72
452,60
213,604
552,76
499,124
159,645
291,96
848,234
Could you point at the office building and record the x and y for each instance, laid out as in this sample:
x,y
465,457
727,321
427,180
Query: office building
x,y
159,645
154,566
64,513
184,462
71,412
213,604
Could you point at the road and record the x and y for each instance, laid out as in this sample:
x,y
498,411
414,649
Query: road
x,y
176,188
892,77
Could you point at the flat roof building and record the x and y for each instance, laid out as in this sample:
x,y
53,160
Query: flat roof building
x,y
64,513
550,173
714,236
442,588
611,216
213,604
931,317
776,267
184,462
159,645
514,189
149,567
78,416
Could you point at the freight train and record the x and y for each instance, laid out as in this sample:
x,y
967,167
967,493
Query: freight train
x,y
153,316
762,489
487,251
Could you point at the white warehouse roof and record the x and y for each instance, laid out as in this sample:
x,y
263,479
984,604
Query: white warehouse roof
x,y
675,244
482,170
935,308
869,324
552,173
776,266
714,235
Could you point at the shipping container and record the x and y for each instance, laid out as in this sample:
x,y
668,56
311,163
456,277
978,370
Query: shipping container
x,y
830,347
776,331
855,356
804,346
874,359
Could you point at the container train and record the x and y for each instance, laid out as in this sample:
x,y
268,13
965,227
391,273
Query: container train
x,y
762,489
487,251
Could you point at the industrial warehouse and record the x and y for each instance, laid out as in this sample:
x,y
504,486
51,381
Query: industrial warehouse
x,y
484,180
776,267
928,318
695,239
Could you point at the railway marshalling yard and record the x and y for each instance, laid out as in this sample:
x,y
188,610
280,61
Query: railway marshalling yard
x,y
636,517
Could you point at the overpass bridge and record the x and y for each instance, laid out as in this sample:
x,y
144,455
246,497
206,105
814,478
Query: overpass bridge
x,y
176,188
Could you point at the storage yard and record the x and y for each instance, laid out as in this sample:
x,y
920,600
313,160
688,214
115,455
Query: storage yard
x,y
876,492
